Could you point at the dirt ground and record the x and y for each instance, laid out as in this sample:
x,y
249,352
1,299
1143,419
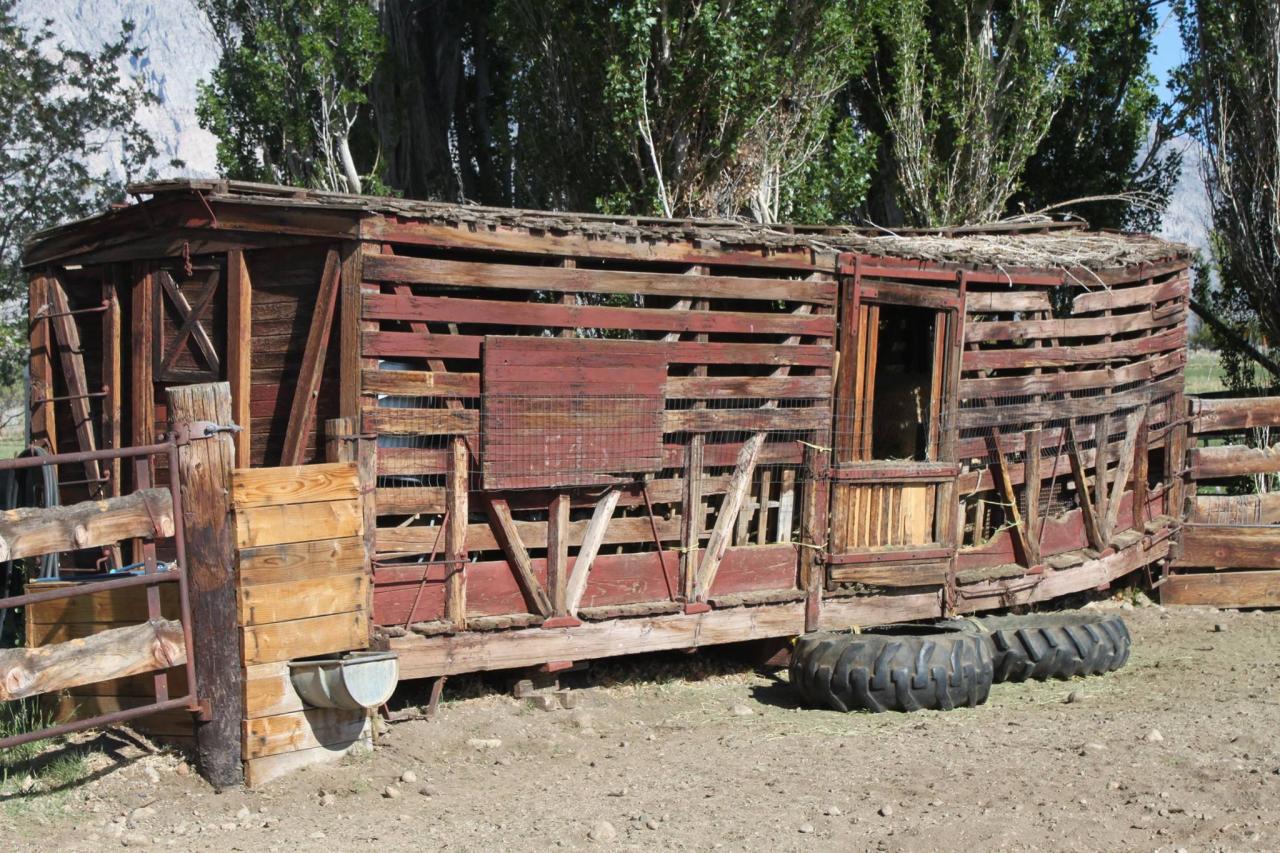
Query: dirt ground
x,y
696,752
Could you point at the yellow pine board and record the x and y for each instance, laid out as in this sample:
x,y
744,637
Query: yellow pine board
x,y
335,481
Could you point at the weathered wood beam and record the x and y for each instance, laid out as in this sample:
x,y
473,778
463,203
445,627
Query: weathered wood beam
x,y
112,378
591,541
508,537
694,518
110,654
1230,546
739,484
456,499
1022,538
142,402
558,553
1232,460
351,364
1092,529
1232,414
1123,469
40,347
302,413
240,350
73,375
205,469
29,531
190,325
1031,487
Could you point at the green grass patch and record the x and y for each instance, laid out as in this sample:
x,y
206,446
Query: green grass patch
x,y
1204,372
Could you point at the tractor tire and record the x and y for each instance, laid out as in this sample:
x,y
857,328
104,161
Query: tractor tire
x,y
902,668
1055,645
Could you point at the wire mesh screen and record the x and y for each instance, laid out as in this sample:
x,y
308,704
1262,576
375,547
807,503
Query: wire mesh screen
x,y
532,442
905,432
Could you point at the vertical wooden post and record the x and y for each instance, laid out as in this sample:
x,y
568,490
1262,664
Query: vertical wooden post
x,y
455,596
1031,488
240,351
349,335
344,443
1140,472
40,340
303,411
205,466
112,380
558,553
142,404
694,514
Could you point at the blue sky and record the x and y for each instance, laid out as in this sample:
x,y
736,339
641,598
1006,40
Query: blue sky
x,y
1166,53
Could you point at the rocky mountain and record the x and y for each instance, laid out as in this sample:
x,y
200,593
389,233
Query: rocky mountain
x,y
180,51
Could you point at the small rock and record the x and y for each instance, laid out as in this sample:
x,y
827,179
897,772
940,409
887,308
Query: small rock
x,y
391,792
568,699
318,834
741,710
484,742
651,823
1126,606
136,840
544,702
243,813
1154,736
153,776
408,777
141,813
227,827
886,810
832,811
327,799
806,828
1073,697
427,791
582,720
1219,628
183,769
602,832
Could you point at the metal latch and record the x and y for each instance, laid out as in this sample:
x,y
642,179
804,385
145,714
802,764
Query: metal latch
x,y
185,433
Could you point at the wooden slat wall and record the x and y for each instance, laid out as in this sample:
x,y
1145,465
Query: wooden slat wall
x,y
1229,553
303,588
764,337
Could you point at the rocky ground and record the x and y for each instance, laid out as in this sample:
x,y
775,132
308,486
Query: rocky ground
x,y
1176,751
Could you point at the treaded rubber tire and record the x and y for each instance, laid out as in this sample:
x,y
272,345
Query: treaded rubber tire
x,y
1056,645
901,668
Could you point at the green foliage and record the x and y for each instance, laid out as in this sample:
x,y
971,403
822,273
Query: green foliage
x,y
290,88
1111,132
62,114
1230,88
686,108
965,93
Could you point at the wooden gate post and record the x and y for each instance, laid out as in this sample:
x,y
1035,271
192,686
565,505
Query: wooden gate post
x,y
205,465
345,443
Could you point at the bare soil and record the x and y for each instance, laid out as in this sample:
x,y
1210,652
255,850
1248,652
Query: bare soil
x,y
696,752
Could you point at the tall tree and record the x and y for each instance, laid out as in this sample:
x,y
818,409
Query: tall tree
x,y
289,89
65,115
963,93
1110,136
1230,85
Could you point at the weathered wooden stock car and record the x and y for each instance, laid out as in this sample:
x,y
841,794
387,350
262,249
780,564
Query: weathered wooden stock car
x,y
596,436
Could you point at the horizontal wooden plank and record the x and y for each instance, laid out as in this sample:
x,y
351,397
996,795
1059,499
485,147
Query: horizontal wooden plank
x,y
1126,297
303,730
1236,509
1006,301
419,345
30,531
408,500
260,771
1223,589
302,638
1231,414
251,487
440,309
268,690
908,574
747,387
716,420
1230,546
421,421
1071,380
1062,356
1062,328
1232,460
276,525
116,605
898,293
273,564
1074,407
301,599
420,383
397,268
421,539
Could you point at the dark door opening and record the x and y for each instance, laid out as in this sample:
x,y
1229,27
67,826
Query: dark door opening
x,y
905,384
